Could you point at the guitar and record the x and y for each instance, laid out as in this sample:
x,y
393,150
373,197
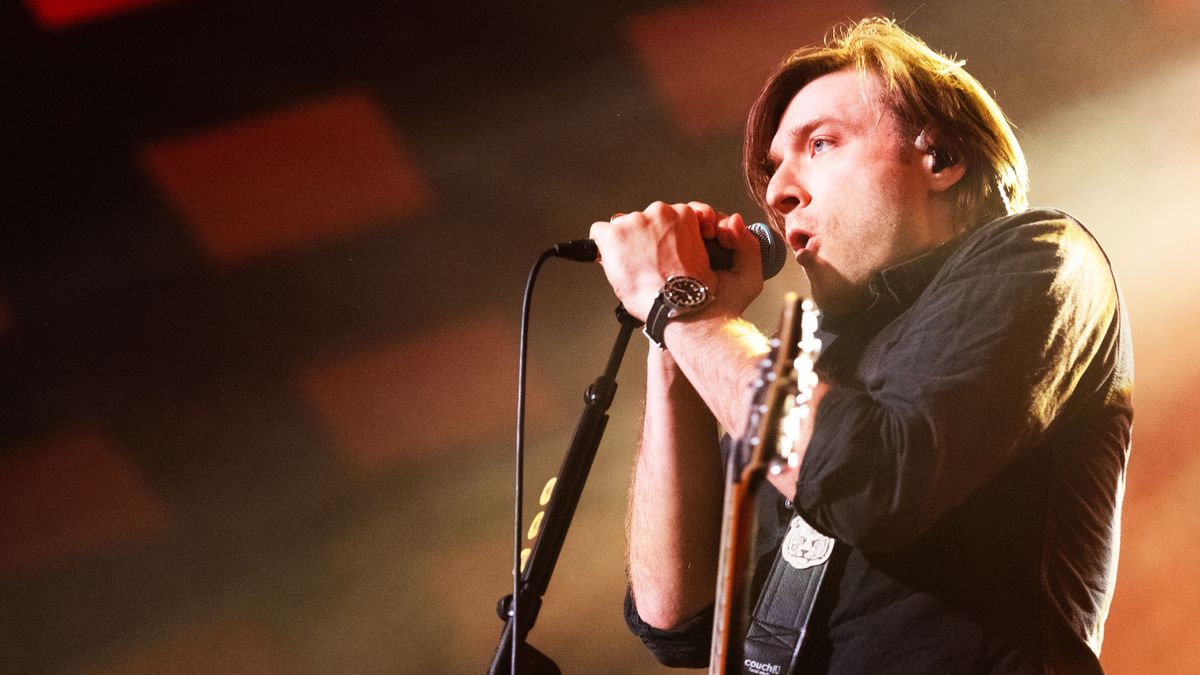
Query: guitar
x,y
783,393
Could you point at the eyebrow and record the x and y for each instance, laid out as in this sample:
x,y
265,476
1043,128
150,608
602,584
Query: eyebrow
x,y
796,135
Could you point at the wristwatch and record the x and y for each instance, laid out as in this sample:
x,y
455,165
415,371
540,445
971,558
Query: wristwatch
x,y
679,296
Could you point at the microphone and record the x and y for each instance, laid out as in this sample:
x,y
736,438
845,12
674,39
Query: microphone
x,y
772,247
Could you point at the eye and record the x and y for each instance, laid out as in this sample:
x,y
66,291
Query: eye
x,y
820,145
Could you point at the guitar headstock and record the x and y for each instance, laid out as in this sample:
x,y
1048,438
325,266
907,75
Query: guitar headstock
x,y
783,390
804,380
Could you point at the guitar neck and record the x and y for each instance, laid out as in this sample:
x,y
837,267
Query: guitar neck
x,y
732,600
745,474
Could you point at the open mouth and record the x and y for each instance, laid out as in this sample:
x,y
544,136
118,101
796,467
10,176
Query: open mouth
x,y
798,240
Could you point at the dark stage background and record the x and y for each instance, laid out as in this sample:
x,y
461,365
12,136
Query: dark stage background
x,y
260,272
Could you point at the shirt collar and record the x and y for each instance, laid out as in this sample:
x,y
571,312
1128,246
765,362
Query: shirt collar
x,y
905,281
895,288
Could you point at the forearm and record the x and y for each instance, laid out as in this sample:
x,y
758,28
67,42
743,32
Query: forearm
x,y
720,356
675,500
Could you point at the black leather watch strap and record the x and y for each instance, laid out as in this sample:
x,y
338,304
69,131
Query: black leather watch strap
x,y
656,321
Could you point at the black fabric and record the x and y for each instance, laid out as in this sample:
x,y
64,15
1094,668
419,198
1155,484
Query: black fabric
x,y
971,452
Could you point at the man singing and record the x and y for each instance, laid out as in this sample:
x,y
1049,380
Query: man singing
x,y
973,416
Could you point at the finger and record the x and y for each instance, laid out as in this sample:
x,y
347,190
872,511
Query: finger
x,y
785,481
599,230
747,250
658,210
708,218
596,232
727,229
743,238
685,214
745,245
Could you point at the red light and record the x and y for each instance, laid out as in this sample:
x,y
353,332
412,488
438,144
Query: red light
x,y
62,13
289,178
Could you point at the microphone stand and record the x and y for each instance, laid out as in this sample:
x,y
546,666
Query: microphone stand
x,y
535,576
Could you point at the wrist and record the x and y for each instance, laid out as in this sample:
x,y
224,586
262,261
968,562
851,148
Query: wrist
x,y
719,353
708,320
680,296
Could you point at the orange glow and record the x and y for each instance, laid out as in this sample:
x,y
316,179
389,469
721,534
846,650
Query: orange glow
x,y
717,54
399,402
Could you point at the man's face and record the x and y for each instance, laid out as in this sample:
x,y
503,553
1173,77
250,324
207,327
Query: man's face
x,y
851,187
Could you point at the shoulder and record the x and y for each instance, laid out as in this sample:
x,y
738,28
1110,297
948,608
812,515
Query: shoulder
x,y
1040,270
1043,242
1039,229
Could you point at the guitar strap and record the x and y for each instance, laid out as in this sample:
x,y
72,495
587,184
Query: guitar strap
x,y
780,620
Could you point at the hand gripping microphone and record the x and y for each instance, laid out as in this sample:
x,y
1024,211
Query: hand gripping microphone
x,y
772,247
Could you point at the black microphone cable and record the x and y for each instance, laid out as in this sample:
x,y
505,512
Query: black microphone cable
x,y
519,489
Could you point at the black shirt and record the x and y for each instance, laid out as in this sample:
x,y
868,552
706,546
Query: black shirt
x,y
970,456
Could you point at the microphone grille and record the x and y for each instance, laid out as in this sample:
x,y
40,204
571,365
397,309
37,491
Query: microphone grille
x,y
774,250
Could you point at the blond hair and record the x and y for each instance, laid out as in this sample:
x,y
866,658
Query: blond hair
x,y
927,91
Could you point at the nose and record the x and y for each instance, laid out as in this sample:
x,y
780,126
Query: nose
x,y
784,191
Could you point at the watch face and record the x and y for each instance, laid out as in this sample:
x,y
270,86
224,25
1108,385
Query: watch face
x,y
684,293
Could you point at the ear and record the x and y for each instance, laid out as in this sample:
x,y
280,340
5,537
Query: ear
x,y
943,169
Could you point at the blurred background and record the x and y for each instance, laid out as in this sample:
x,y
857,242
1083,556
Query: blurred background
x,y
260,275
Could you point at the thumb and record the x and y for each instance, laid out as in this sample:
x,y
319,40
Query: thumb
x,y
747,253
